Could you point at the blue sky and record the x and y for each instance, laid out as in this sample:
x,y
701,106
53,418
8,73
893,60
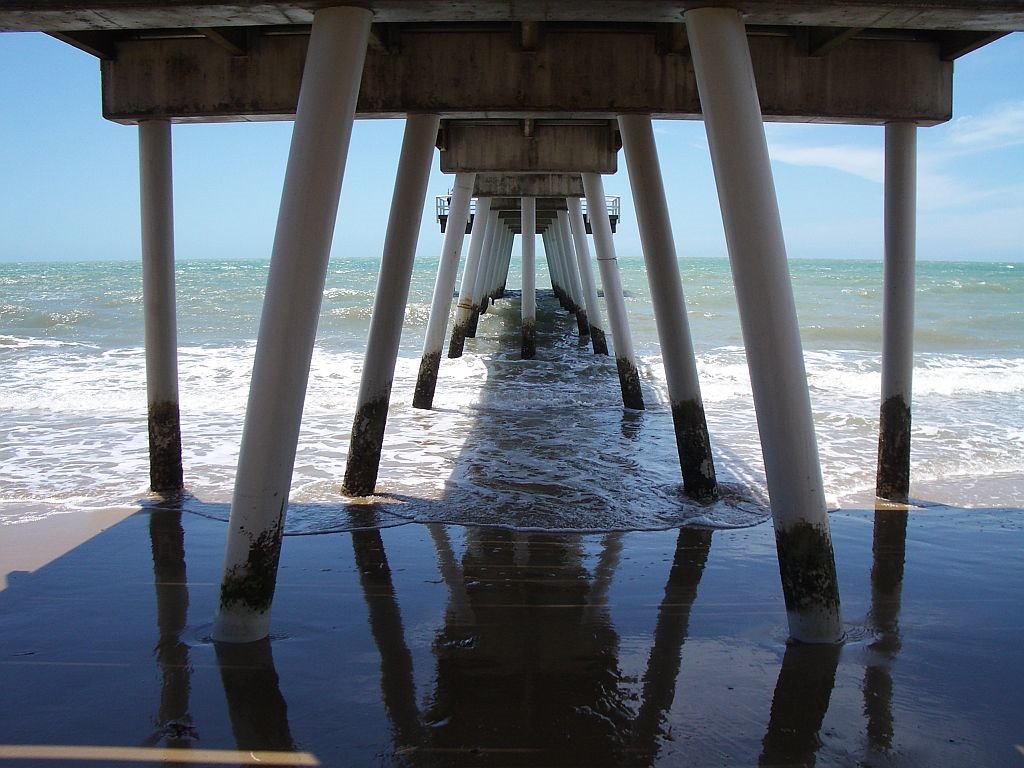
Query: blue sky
x,y
70,178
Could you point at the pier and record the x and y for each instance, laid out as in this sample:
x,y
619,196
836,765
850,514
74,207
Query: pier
x,y
518,96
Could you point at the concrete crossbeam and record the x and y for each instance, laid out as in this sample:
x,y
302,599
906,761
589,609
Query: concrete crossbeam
x,y
482,72
471,147
515,185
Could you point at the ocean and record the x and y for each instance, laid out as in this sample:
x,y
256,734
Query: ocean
x,y
543,443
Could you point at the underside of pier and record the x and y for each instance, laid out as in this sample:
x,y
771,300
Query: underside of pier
x,y
864,62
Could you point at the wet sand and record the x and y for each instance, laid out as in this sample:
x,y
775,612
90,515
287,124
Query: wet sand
x,y
451,646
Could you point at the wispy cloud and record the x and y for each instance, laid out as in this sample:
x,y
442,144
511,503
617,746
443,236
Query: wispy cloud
x,y
940,183
1002,127
865,162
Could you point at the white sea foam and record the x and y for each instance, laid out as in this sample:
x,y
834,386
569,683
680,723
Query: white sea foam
x,y
542,443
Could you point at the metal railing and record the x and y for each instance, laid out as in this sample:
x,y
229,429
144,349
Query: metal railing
x,y
443,202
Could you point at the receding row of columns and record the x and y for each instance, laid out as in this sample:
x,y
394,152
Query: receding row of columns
x,y
298,269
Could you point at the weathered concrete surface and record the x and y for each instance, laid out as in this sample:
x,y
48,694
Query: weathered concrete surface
x,y
365,447
599,341
483,72
515,185
473,147
629,383
893,476
458,341
694,446
36,15
426,381
529,343
808,571
165,473
250,585
582,323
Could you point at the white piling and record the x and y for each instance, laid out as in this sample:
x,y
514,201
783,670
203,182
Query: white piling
x,y
554,261
564,238
529,345
389,300
156,188
479,295
551,259
501,278
692,440
464,312
893,475
625,359
444,287
506,261
291,308
739,153
590,298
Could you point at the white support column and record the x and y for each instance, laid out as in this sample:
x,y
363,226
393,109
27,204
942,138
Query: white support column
x,y
552,257
464,313
625,359
893,475
506,262
486,281
389,302
291,308
156,189
692,440
487,259
529,346
757,252
551,235
549,259
590,298
444,288
564,236
505,257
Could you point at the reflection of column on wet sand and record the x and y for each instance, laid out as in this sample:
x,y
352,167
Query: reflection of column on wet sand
x,y
167,540
670,632
451,573
259,714
888,550
537,675
801,700
396,671
607,563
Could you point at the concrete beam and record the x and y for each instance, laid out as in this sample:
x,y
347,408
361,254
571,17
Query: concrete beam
x,y
234,40
482,72
42,15
470,147
543,205
539,185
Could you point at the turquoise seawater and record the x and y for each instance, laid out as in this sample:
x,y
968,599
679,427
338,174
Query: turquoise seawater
x,y
528,443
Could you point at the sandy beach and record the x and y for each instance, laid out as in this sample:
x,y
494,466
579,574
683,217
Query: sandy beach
x,y
448,645
417,634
